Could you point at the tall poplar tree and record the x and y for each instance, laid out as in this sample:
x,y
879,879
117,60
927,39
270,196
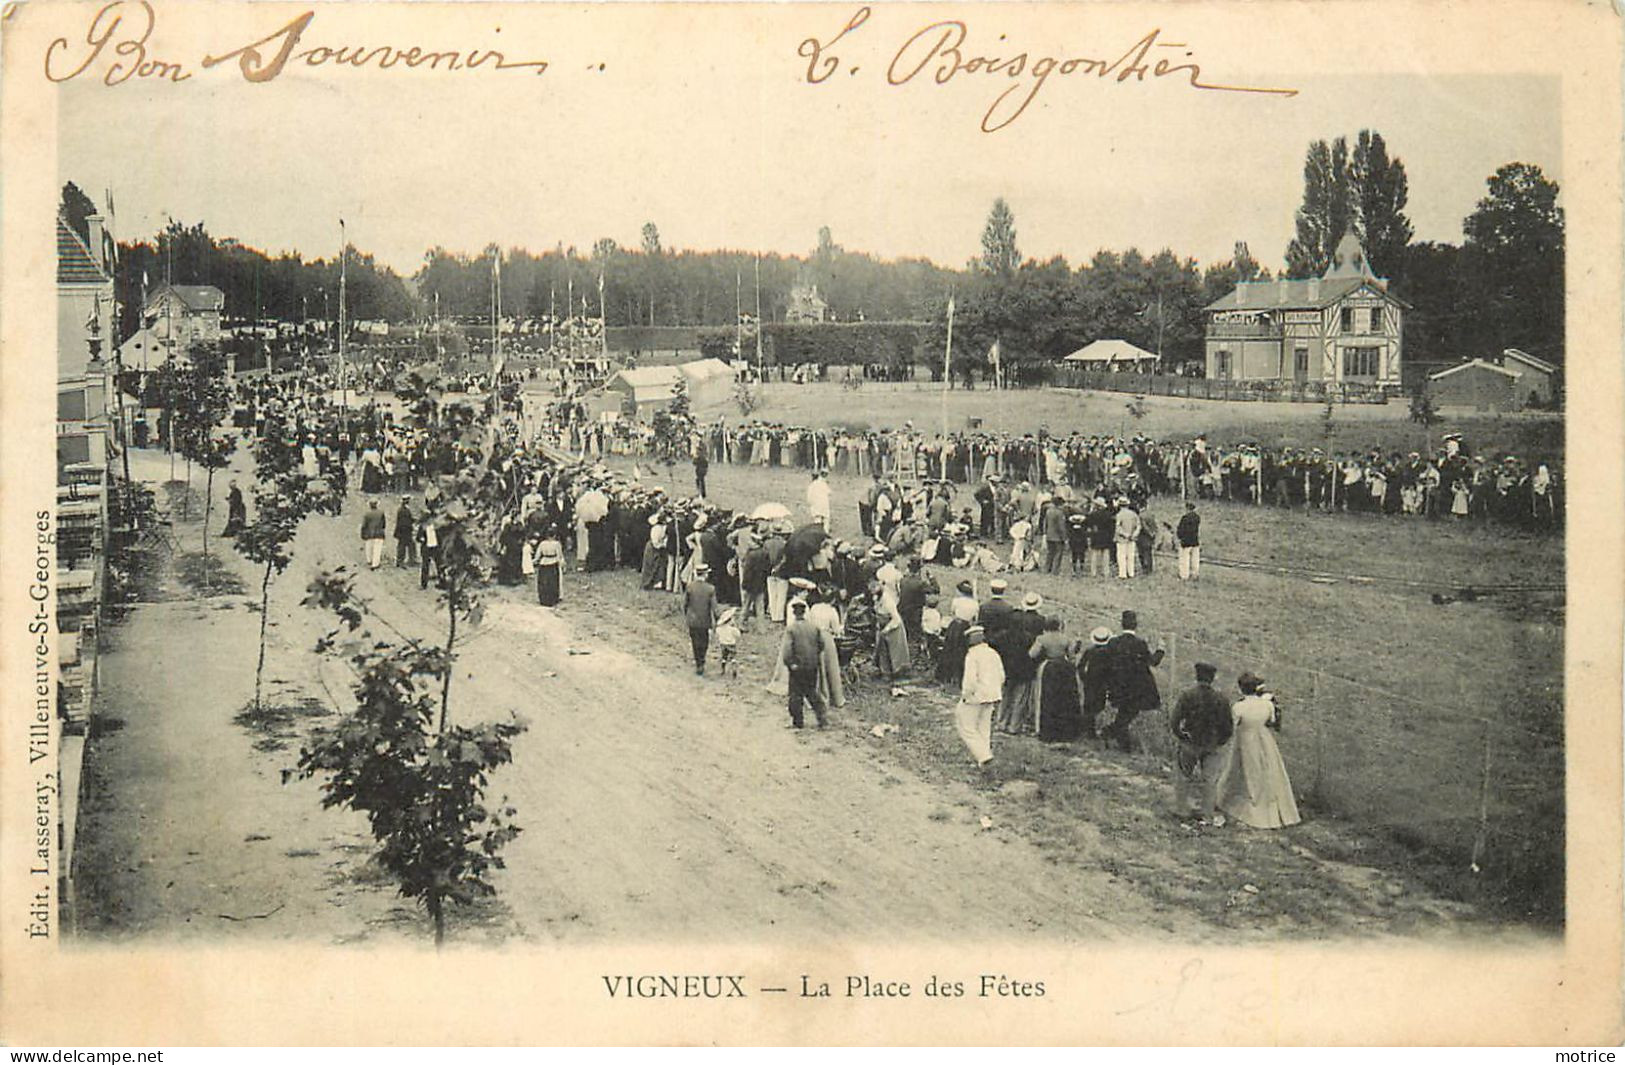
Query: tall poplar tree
x,y
1325,214
1379,190
1000,256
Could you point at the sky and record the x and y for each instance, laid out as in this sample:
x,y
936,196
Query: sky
x,y
706,126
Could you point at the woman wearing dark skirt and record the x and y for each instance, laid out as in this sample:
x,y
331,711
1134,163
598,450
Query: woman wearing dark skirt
x,y
549,572
1055,691
951,663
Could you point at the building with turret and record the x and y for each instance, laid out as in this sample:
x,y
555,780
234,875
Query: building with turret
x,y
1343,327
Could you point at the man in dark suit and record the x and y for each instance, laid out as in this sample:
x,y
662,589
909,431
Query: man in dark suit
x,y
1094,678
700,612
995,613
1133,687
911,593
406,534
803,656
1201,725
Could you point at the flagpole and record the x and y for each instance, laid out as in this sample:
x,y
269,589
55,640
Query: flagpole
x,y
603,314
759,315
112,338
344,265
739,310
947,364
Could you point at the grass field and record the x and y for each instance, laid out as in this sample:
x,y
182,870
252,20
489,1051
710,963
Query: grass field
x,y
1437,725
1355,427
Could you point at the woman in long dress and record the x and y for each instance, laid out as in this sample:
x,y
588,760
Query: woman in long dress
x,y
823,614
891,639
1055,690
1254,788
549,572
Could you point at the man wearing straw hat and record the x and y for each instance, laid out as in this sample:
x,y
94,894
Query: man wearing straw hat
x,y
980,691
700,612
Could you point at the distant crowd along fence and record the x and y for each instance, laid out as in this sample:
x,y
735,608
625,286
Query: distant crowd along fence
x,y
1480,790
1211,388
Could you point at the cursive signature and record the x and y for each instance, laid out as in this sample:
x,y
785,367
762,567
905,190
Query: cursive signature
x,y
941,47
939,51
117,45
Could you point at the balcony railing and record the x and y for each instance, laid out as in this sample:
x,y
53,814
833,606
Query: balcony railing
x,y
1244,331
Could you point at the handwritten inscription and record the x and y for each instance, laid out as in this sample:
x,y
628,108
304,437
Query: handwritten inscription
x,y
940,54
117,46
118,39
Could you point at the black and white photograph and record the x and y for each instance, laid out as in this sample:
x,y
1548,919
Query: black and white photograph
x,y
1066,477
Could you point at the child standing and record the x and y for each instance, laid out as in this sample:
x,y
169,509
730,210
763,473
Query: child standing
x,y
728,641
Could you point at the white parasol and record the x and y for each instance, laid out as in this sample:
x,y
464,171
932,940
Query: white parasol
x,y
770,512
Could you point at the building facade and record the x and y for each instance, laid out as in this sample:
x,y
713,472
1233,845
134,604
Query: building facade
x,y
183,315
1344,327
85,316
1477,385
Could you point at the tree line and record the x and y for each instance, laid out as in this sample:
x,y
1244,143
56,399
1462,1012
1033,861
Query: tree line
x,y
1502,286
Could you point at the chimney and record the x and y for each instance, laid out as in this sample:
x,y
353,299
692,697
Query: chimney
x,y
97,242
1314,290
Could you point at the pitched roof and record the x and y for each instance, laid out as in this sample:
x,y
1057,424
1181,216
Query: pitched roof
x,y
196,297
705,369
647,382
1279,295
1528,360
75,265
1480,364
1109,351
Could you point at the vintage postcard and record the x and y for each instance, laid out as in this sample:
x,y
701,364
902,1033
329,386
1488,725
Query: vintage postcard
x,y
695,523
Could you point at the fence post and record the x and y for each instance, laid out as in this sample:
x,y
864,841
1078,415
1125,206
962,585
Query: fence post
x,y
1320,717
1481,837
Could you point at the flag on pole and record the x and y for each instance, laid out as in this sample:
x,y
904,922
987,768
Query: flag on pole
x,y
993,360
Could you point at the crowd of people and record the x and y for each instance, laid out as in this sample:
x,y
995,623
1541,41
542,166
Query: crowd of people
x,y
1451,482
868,603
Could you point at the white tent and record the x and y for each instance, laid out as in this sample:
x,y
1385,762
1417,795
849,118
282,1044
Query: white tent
x,y
1112,354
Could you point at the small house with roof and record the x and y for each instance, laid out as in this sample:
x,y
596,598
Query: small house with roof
x,y
1477,384
1342,327
1537,378
183,315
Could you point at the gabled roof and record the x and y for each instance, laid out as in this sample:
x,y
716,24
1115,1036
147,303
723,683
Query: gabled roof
x,y
1109,351
1479,364
705,369
1528,360
1299,295
195,297
75,265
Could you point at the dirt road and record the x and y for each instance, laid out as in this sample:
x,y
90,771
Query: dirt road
x,y
655,805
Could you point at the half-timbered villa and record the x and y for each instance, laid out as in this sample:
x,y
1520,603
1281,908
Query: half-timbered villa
x,y
1342,327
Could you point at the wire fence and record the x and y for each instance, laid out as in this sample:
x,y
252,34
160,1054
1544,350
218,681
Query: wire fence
x,y
1480,791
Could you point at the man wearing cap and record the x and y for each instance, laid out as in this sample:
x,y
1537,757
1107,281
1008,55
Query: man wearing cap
x,y
1133,687
802,653
700,612
406,535
372,533
1201,725
980,690
995,613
